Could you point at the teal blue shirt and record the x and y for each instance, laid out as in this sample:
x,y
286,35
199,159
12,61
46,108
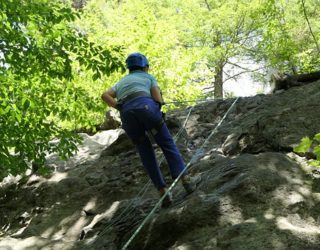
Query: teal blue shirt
x,y
134,82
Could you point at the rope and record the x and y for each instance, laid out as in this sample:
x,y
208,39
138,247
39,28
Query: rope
x,y
196,101
194,158
147,185
142,192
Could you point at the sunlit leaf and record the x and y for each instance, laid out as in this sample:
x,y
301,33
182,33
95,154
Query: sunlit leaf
x,y
304,145
316,150
317,137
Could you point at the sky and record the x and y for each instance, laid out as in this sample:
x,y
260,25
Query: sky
x,y
244,85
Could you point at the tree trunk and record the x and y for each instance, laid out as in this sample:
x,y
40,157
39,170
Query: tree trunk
x,y
218,82
79,4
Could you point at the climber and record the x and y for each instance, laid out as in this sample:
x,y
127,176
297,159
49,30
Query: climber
x,y
138,98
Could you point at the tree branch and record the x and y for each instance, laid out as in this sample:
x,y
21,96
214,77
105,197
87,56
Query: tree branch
x,y
208,6
307,19
234,77
238,66
240,73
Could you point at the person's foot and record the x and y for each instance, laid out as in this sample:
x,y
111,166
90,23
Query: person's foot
x,y
167,201
190,183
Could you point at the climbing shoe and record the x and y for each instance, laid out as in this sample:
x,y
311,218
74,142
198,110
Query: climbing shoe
x,y
167,201
190,183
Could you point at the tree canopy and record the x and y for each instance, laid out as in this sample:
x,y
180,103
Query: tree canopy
x,y
39,47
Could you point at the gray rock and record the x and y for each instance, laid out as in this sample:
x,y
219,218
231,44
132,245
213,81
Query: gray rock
x,y
255,192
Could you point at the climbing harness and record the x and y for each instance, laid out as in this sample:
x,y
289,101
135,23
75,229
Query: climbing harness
x,y
194,159
133,96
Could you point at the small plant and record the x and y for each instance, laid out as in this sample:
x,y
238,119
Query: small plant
x,y
312,146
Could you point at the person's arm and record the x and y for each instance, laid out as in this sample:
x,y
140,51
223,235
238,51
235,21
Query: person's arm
x,y
156,94
109,98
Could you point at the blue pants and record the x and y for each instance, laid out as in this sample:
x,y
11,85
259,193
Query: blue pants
x,y
140,116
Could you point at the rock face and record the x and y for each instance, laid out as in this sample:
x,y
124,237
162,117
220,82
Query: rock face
x,y
255,192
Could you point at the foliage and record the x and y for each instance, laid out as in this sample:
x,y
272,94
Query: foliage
x,y
156,30
286,42
192,43
310,145
38,48
55,61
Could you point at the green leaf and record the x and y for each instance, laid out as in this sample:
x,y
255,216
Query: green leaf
x,y
317,137
7,109
316,150
18,116
26,104
304,145
315,163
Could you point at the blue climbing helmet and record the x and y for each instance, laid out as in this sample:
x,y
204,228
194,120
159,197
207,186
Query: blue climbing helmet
x,y
136,60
